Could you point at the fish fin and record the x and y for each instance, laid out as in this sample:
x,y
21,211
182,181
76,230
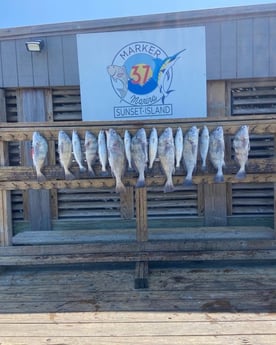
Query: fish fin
x,y
219,178
240,175
40,177
122,92
104,173
204,168
140,183
91,171
169,187
188,181
69,175
120,187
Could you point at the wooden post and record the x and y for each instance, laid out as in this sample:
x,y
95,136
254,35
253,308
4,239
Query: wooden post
x,y
142,270
215,204
127,204
5,196
32,108
274,191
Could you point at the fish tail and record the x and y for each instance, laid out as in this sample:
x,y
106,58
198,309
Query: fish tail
x,y
203,167
188,181
120,187
140,183
91,171
82,168
104,172
69,175
219,177
169,187
40,176
241,174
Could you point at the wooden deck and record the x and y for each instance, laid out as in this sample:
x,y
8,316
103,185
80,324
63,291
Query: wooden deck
x,y
187,303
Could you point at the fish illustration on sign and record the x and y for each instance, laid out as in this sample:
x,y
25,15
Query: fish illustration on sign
x,y
163,70
119,73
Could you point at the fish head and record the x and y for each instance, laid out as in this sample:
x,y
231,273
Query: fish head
x,y
218,132
111,70
243,131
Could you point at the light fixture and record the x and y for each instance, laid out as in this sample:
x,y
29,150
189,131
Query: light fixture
x,y
34,46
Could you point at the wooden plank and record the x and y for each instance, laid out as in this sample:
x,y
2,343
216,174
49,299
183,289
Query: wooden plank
x,y
24,65
213,51
245,48
261,44
258,124
149,329
144,340
128,234
141,214
141,271
70,60
216,93
272,45
40,67
110,183
127,203
9,63
5,196
33,109
215,207
228,50
55,60
141,275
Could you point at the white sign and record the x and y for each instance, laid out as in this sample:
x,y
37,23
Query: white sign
x,y
132,75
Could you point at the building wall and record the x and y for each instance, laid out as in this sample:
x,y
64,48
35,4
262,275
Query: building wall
x,y
240,43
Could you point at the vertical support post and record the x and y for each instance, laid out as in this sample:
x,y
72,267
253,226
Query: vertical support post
x,y
5,196
275,191
215,204
127,204
31,107
141,271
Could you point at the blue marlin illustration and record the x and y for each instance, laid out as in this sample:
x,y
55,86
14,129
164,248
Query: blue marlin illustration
x,y
162,73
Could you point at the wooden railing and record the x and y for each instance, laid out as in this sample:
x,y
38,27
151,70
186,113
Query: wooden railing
x,y
141,251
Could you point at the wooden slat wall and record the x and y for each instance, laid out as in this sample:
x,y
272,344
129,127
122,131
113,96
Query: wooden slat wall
x,y
240,45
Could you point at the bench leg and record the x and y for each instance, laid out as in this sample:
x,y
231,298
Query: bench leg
x,y
141,275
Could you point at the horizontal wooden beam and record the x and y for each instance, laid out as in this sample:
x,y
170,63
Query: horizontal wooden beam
x,y
258,124
141,256
110,182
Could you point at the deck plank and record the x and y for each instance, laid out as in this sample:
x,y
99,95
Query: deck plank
x,y
186,303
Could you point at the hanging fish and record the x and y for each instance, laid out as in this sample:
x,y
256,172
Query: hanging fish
x,y
166,153
190,148
216,152
102,151
139,154
65,153
204,139
241,145
77,150
178,143
153,145
127,143
116,158
91,147
39,154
